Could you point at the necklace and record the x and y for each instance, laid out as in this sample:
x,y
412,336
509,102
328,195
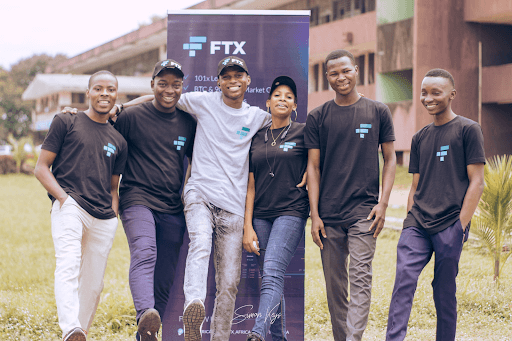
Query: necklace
x,y
271,173
274,139
268,163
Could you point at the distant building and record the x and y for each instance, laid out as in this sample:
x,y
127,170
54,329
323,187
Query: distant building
x,y
395,43
53,92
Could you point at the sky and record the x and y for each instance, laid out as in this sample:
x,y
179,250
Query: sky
x,y
71,27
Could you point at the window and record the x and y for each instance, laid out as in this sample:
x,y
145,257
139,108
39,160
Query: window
x,y
360,64
132,97
326,19
370,5
371,68
340,9
77,98
315,77
346,8
313,19
324,77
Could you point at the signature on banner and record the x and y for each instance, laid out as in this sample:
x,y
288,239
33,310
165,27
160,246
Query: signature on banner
x,y
244,313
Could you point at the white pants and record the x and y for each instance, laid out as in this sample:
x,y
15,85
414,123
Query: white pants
x,y
82,244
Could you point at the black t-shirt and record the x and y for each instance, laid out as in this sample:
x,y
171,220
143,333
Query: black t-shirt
x,y
88,154
440,155
157,145
348,138
287,160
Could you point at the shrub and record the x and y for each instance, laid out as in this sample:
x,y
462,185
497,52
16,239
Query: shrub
x,y
7,164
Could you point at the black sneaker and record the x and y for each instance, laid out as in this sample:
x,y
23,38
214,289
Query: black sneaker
x,y
252,336
75,334
149,325
193,318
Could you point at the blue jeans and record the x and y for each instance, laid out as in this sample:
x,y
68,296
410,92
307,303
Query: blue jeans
x,y
414,251
280,238
155,240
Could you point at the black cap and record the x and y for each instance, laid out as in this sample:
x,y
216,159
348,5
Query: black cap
x,y
284,80
167,64
231,61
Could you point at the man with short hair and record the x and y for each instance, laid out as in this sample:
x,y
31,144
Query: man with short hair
x,y
86,156
159,137
343,137
215,195
447,163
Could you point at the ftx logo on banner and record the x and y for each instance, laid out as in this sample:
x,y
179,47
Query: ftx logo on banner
x,y
229,47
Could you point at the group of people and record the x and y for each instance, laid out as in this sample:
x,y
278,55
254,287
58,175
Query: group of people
x,y
245,188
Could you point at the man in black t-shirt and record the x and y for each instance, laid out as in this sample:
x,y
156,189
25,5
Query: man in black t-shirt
x,y
86,156
447,163
343,137
159,137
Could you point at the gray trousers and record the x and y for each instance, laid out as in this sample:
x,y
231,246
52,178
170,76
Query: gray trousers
x,y
206,222
348,319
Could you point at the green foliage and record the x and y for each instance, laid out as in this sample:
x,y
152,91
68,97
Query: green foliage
x,y
24,71
15,114
19,154
493,222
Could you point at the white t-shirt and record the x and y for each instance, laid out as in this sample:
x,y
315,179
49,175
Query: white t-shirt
x,y
220,166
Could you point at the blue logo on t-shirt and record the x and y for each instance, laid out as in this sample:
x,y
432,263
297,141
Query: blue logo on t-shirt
x,y
287,145
243,132
110,148
363,129
443,152
180,142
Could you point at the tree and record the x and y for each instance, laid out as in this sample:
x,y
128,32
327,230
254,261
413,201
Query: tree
x,y
493,222
15,114
24,71
19,154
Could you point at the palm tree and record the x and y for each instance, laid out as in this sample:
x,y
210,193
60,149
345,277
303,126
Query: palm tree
x,y
493,223
19,154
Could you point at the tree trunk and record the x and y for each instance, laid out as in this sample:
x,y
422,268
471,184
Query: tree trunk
x,y
496,267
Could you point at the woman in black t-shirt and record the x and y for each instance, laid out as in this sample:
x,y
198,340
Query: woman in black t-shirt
x,y
276,209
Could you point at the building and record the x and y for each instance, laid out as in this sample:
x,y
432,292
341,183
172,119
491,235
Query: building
x,y
395,43
53,92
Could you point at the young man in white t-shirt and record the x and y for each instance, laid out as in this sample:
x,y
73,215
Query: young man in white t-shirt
x,y
215,194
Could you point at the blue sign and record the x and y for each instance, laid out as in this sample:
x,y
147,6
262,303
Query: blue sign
x,y
272,43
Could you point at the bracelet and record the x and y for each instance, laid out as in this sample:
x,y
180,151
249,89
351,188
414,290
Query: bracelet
x,y
120,108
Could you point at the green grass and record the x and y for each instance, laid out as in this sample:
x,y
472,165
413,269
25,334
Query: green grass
x,y
403,178
485,313
27,262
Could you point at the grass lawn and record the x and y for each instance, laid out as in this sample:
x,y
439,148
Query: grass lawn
x,y
27,304
484,313
27,263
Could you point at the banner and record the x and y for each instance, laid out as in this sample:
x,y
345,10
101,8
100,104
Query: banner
x,y
272,43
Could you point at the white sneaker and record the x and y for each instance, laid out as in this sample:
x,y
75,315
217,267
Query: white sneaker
x,y
75,334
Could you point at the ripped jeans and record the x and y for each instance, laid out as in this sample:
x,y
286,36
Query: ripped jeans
x,y
206,223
